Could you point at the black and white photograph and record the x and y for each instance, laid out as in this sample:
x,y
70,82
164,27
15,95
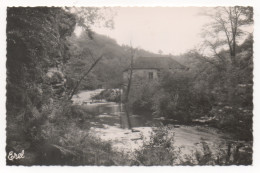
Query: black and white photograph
x,y
129,86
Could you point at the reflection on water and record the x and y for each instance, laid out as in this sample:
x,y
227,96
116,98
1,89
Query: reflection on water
x,y
111,113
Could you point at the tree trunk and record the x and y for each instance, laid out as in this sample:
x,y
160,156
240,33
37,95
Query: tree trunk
x,y
128,91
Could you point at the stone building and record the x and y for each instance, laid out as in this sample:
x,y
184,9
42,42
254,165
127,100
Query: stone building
x,y
147,69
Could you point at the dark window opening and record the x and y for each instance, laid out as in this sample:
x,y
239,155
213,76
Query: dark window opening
x,y
150,75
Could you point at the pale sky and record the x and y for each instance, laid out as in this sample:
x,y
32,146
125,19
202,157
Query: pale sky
x,y
172,30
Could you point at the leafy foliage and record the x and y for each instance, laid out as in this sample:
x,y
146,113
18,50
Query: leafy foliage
x,y
36,43
230,154
158,150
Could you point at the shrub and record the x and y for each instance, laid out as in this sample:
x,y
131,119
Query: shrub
x,y
141,97
158,150
234,119
174,98
233,153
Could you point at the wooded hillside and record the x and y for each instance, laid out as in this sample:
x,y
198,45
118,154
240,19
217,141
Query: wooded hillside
x,y
108,73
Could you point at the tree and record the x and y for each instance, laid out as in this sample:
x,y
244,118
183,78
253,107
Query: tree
x,y
226,30
129,87
87,17
229,27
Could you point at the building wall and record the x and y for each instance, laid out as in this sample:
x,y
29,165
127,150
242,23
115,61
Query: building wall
x,y
140,75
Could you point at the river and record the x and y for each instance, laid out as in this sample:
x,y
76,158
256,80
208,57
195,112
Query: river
x,y
110,124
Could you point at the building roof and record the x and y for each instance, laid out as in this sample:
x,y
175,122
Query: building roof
x,y
156,63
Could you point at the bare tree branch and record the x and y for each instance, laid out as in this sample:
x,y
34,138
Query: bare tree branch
x,y
213,47
227,21
83,77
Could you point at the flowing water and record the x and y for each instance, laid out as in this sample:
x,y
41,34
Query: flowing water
x,y
110,123
110,113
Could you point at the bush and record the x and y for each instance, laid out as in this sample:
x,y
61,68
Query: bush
x,y
234,153
234,119
158,150
141,97
173,98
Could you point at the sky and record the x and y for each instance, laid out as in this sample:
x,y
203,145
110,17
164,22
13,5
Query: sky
x,y
173,30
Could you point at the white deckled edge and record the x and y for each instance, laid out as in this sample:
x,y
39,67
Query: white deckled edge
x,y
151,3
